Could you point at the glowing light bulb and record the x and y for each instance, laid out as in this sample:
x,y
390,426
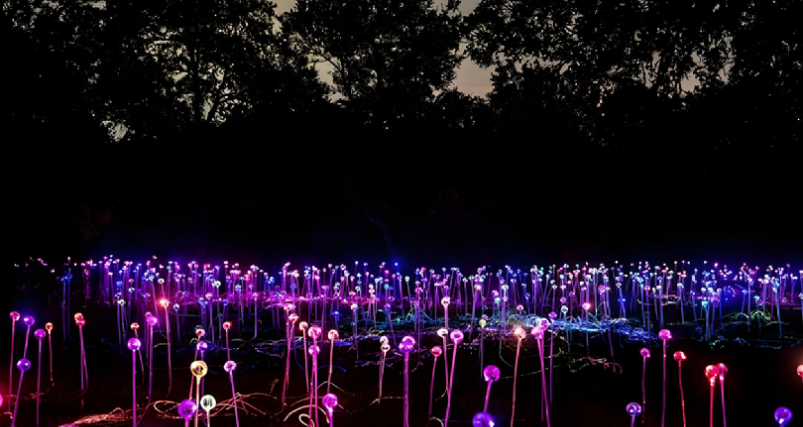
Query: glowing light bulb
x,y
491,373
482,419
208,403
229,366
14,316
783,415
28,320
199,369
134,344
187,408
633,409
23,365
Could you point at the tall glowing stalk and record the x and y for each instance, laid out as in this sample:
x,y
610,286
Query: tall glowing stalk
x,y
39,335
457,338
436,352
664,334
165,304
303,326
134,344
681,357
406,346
491,374
199,370
14,317
152,321
385,347
80,321
443,333
314,333
226,327
23,365
711,373
229,367
333,335
722,370
538,332
49,329
645,354
519,333
289,334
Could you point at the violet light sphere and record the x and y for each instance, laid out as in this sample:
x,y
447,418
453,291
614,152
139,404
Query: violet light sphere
x,y
436,351
783,415
330,401
134,344
633,409
644,352
229,366
40,334
482,419
313,350
187,408
201,346
152,320
28,320
315,332
23,365
491,373
664,334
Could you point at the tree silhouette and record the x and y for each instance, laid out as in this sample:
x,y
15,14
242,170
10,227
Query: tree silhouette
x,y
389,58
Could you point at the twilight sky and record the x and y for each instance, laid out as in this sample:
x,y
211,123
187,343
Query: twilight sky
x,y
471,79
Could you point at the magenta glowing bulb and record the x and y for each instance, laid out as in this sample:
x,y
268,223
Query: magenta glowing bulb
x,y
314,350
152,320
229,366
407,345
436,351
482,419
187,408
28,320
680,356
800,371
201,346
783,415
665,334
333,335
491,373
457,336
721,371
330,402
633,409
645,352
134,344
315,332
14,316
40,334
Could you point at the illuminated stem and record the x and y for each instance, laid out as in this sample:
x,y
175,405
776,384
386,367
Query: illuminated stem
x,y
722,390
197,397
663,409
169,357
487,396
451,381
50,359
286,382
381,376
331,358
643,389
446,363
682,400
134,388
515,375
38,382
432,388
17,400
543,379
11,366
306,371
234,399
406,415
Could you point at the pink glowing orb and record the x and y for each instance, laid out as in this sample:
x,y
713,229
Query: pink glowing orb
x,y
80,321
385,347
491,373
442,332
722,370
711,372
457,336
313,350
436,351
315,332
519,332
783,415
330,402
303,326
800,370
293,318
665,334
445,301
78,316
187,408
134,344
680,356
40,334
14,316
200,332
407,345
229,366
28,320
227,325
586,306
201,346
152,321
645,352
333,335
164,303
23,365
633,409
48,327
553,315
